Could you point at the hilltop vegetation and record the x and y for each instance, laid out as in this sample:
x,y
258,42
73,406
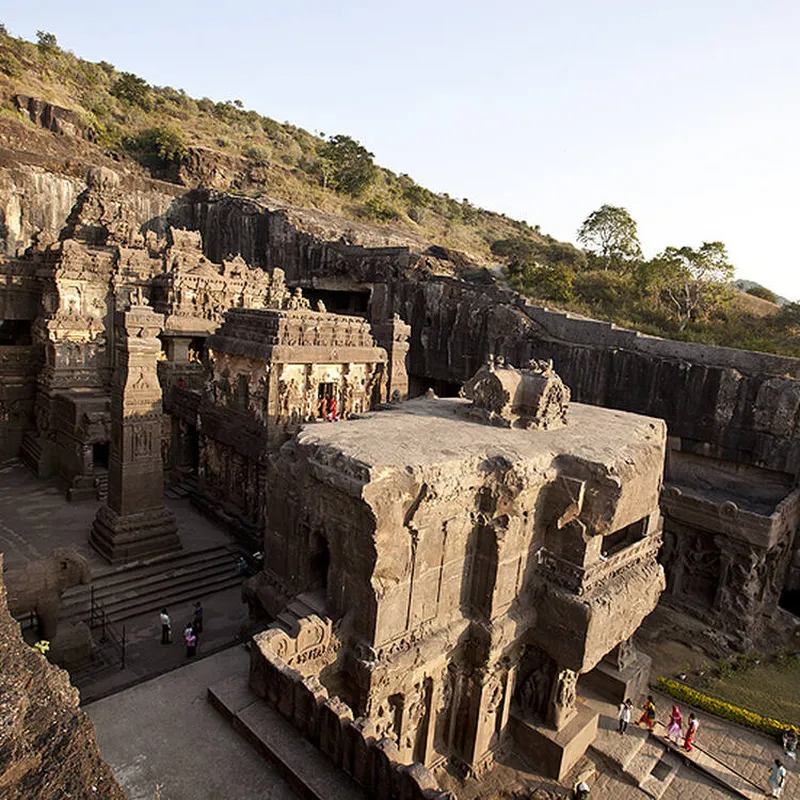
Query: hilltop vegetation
x,y
684,292
158,126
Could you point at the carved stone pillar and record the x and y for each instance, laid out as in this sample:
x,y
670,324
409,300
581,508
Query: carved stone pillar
x,y
134,523
392,336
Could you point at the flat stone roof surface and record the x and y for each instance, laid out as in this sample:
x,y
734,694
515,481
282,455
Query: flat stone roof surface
x,y
435,430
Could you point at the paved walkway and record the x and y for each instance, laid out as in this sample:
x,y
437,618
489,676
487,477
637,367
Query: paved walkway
x,y
164,736
36,517
748,752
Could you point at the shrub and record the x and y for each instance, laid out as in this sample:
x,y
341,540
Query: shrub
x,y
256,153
10,65
680,691
378,209
763,293
157,147
133,90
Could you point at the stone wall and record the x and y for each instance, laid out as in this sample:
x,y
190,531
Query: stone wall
x,y
373,761
48,748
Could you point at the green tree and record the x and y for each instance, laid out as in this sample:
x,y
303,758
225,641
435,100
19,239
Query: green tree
x,y
691,282
346,165
46,42
169,144
133,90
609,234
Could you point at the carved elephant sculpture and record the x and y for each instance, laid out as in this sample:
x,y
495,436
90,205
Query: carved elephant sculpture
x,y
38,587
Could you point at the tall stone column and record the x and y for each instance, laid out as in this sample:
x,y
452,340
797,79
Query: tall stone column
x,y
393,336
133,523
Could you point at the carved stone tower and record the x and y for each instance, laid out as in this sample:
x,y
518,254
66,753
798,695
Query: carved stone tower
x,y
134,523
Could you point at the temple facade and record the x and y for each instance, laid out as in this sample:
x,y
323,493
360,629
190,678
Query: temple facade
x,y
451,579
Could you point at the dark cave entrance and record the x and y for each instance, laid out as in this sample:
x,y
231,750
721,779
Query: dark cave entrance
x,y
790,601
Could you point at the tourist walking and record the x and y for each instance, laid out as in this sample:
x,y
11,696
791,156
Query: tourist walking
x,y
691,732
190,639
790,743
675,726
777,779
649,714
198,618
166,627
624,716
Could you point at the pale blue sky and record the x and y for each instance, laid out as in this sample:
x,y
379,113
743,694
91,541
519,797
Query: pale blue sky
x,y
686,113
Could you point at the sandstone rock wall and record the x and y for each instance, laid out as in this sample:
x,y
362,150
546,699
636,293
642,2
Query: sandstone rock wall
x,y
47,744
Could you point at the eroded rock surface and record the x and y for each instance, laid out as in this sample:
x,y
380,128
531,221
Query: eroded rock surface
x,y
48,749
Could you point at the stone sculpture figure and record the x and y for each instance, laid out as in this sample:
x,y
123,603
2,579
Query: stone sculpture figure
x,y
37,587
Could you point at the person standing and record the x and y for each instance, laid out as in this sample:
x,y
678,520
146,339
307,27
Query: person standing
x,y
166,627
691,732
624,716
198,618
190,639
674,729
648,713
777,779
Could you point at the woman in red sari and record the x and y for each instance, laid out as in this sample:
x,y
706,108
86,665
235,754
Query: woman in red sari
x,y
691,730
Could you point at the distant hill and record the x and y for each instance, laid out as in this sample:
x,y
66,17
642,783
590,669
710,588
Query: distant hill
x,y
746,286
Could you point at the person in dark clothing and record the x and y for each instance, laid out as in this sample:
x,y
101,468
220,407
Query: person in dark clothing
x,y
198,618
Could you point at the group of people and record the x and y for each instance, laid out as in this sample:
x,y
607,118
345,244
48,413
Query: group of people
x,y
648,719
777,776
193,629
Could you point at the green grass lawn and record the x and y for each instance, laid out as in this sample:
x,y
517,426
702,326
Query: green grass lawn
x,y
772,690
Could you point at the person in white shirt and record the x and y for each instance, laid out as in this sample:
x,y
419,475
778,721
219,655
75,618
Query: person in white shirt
x,y
624,716
166,627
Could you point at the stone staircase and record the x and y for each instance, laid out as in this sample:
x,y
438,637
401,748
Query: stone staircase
x,y
101,484
642,759
302,605
182,488
148,585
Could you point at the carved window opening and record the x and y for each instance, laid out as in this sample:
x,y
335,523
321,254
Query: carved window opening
x,y
15,332
196,348
100,453
624,537
318,563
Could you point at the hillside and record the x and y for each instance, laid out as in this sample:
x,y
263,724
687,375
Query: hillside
x,y
331,188
224,146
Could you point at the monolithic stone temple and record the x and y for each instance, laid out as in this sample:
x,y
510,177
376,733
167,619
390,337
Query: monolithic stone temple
x,y
442,576
444,573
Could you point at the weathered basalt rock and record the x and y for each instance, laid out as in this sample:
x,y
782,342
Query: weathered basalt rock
x,y
48,748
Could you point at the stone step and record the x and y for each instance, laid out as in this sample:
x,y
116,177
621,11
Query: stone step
x,y
643,763
125,593
305,768
137,571
661,776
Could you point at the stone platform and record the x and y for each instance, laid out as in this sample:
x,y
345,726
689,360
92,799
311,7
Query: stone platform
x,y
555,753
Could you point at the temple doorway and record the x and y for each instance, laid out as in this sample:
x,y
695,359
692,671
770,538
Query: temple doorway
x,y
318,563
100,451
328,404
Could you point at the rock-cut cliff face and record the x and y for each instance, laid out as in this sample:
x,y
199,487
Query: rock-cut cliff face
x,y
48,749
